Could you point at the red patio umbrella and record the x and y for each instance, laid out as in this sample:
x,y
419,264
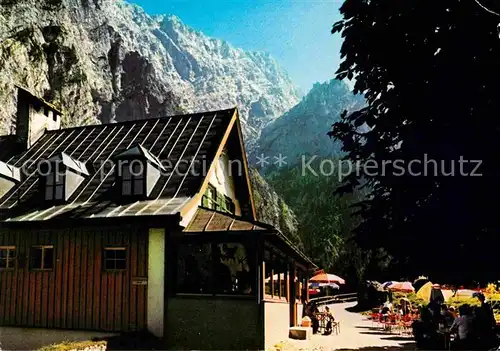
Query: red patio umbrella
x,y
314,291
327,278
401,286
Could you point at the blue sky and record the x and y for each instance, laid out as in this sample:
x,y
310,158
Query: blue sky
x,y
296,33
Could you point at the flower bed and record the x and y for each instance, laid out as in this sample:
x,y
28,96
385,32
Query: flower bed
x,y
77,346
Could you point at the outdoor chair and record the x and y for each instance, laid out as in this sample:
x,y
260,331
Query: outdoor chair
x,y
405,325
336,327
384,322
392,323
376,318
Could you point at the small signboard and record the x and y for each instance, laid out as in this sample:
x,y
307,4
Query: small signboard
x,y
139,281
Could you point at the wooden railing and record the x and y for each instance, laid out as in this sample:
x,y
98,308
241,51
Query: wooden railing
x,y
326,300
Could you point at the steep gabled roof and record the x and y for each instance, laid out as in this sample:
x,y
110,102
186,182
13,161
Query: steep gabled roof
x,y
194,137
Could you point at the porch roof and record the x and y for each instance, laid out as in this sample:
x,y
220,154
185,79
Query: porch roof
x,y
210,221
206,220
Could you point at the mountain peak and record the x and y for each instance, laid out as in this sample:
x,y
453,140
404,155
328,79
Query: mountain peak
x,y
303,129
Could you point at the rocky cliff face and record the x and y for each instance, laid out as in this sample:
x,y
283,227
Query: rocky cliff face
x,y
302,131
106,60
272,209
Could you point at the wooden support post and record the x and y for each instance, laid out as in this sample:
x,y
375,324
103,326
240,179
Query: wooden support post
x,y
262,285
272,282
307,289
287,282
292,294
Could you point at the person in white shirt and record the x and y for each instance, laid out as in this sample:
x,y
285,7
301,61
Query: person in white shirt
x,y
463,326
389,306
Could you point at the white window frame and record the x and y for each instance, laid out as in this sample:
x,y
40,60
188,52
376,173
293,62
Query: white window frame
x,y
10,260
43,248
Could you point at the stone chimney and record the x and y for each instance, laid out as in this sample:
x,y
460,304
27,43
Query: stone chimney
x,y
34,117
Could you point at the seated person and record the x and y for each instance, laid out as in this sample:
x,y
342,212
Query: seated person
x,y
448,316
329,320
405,307
312,311
453,311
398,309
436,316
425,331
463,326
387,309
485,323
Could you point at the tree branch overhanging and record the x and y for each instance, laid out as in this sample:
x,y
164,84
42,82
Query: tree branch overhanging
x,y
487,9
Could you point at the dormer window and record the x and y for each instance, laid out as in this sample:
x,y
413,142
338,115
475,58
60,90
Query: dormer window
x,y
133,178
138,170
54,186
61,176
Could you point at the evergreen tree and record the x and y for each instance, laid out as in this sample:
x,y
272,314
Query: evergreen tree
x,y
326,220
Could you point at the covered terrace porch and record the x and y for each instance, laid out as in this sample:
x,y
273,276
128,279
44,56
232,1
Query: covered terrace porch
x,y
232,284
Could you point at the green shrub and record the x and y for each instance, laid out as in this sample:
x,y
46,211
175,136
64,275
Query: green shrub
x,y
457,302
412,297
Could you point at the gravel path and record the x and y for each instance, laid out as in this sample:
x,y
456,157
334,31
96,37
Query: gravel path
x,y
356,333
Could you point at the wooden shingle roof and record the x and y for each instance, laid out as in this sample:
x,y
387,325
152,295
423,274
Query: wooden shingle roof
x,y
192,138
206,220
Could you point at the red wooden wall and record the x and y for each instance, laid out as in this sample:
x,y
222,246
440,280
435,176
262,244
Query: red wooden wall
x,y
77,293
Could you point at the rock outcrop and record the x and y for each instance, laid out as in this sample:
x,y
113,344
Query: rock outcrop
x,y
272,209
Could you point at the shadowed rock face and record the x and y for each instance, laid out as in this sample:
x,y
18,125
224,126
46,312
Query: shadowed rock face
x,y
106,60
302,131
271,208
